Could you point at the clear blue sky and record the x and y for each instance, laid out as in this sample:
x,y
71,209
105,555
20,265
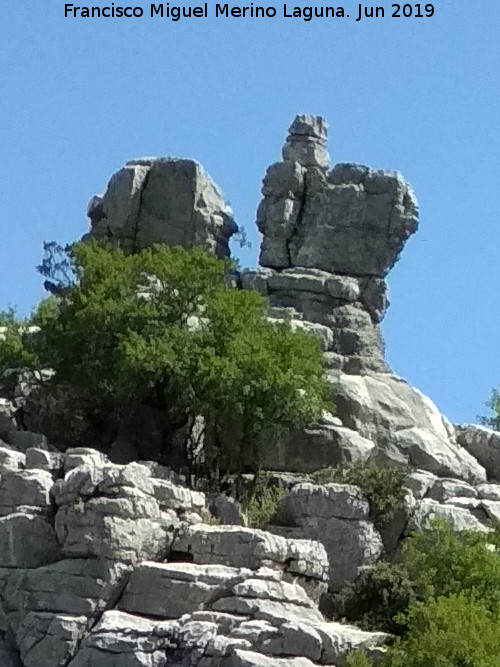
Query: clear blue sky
x,y
80,97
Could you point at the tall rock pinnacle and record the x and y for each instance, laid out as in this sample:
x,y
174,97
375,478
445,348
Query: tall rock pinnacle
x,y
351,220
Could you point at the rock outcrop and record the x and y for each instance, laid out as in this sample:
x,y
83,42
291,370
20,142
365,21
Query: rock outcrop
x,y
110,565
165,200
330,237
104,564
118,565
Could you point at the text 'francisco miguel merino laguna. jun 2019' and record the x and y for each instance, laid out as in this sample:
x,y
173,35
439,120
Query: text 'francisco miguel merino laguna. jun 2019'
x,y
355,11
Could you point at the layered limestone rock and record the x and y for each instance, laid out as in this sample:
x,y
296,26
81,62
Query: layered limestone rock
x,y
339,516
104,564
162,200
330,237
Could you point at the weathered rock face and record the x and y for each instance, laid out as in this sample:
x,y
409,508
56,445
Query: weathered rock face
x,y
329,239
350,221
111,565
338,516
104,564
484,444
167,200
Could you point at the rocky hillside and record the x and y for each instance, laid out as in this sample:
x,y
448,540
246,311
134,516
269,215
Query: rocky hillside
x,y
121,565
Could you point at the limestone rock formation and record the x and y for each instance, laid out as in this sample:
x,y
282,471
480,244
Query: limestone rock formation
x,y
329,239
350,221
162,200
118,565
104,564
338,515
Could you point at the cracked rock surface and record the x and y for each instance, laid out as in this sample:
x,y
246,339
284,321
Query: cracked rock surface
x,y
109,565
330,237
162,200
114,566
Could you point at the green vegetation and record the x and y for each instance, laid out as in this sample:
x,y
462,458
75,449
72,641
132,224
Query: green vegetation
x,y
442,598
163,329
443,562
357,659
377,597
494,405
261,503
454,631
383,486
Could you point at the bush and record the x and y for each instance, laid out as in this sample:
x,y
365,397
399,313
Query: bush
x,y
434,562
383,486
262,501
454,631
163,329
377,596
358,659
441,562
494,405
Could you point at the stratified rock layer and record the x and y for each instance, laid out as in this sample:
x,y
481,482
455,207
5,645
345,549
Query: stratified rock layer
x,y
329,239
121,570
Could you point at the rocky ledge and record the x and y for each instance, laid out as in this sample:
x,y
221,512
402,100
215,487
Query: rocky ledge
x,y
111,565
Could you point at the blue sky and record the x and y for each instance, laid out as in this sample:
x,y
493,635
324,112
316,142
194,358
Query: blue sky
x,y
421,95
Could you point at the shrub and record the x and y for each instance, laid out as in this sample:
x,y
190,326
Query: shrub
x,y
454,631
358,659
383,486
378,595
261,502
493,404
441,561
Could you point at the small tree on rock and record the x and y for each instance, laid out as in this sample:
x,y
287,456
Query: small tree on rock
x,y
165,328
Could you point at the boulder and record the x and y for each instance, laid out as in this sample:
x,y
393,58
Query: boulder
x,y
246,547
11,460
445,489
337,515
76,587
461,518
25,489
318,446
484,445
170,590
110,512
49,640
227,510
27,541
488,491
404,424
120,639
162,200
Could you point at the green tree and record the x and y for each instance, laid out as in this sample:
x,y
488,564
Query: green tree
x,y
454,631
441,561
494,405
164,328
434,562
377,597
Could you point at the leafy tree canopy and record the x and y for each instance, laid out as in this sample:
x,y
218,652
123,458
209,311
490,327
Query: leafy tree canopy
x,y
453,631
165,328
